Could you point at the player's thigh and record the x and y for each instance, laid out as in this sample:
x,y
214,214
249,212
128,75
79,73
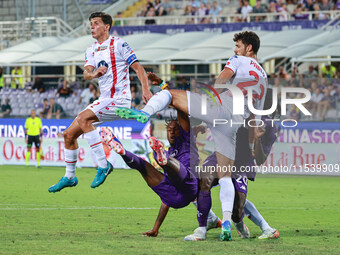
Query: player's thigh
x,y
179,100
151,175
224,165
205,108
73,131
207,179
104,109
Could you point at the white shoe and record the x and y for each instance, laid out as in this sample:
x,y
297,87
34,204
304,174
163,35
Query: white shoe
x,y
217,223
270,233
242,230
198,235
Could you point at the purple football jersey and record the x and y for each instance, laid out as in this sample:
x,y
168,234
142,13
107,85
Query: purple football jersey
x,y
243,154
185,149
179,192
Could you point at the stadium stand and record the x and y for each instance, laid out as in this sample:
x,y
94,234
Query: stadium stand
x,y
203,28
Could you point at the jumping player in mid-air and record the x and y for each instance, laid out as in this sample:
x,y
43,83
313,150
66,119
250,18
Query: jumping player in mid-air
x,y
108,59
242,71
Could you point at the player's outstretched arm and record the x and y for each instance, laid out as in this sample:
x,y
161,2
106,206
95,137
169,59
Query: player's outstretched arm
x,y
141,74
260,155
163,211
224,77
183,120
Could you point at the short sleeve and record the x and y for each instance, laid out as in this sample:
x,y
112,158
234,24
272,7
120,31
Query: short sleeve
x,y
40,123
127,53
89,59
232,63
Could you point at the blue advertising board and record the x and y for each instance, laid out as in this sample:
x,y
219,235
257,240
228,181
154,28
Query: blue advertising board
x,y
123,129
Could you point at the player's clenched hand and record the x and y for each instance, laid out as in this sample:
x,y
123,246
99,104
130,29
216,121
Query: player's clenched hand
x,y
151,232
100,71
146,95
154,78
259,132
199,129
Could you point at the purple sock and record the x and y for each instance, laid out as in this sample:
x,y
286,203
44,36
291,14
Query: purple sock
x,y
203,207
134,161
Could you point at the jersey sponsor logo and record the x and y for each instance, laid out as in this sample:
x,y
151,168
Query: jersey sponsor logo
x,y
100,48
131,59
126,45
103,63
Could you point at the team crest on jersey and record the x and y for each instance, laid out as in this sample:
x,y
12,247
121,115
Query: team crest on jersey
x,y
103,63
174,153
233,57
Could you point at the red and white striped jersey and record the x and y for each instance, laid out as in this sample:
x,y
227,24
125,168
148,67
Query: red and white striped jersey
x,y
117,56
249,73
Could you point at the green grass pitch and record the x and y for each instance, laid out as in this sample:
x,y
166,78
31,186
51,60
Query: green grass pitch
x,y
111,218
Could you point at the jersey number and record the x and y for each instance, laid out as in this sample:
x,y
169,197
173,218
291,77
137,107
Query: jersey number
x,y
243,85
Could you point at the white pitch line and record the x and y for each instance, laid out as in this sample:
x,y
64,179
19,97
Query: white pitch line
x,y
77,208
143,208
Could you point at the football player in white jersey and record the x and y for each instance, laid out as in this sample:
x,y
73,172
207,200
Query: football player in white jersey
x,y
108,59
242,70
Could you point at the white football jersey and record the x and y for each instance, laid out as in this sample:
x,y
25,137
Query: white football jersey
x,y
117,56
249,73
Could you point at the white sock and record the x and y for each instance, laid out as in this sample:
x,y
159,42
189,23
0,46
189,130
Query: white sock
x,y
255,216
71,157
240,225
203,229
158,102
212,216
95,142
227,194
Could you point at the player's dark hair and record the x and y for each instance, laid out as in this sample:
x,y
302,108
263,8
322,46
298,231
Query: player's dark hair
x,y
106,18
248,38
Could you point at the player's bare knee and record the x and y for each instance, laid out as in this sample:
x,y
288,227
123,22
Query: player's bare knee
x,y
68,136
81,119
205,183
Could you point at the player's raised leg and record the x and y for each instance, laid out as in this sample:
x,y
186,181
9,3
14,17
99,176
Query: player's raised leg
x,y
177,172
158,102
152,176
71,155
85,121
83,124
